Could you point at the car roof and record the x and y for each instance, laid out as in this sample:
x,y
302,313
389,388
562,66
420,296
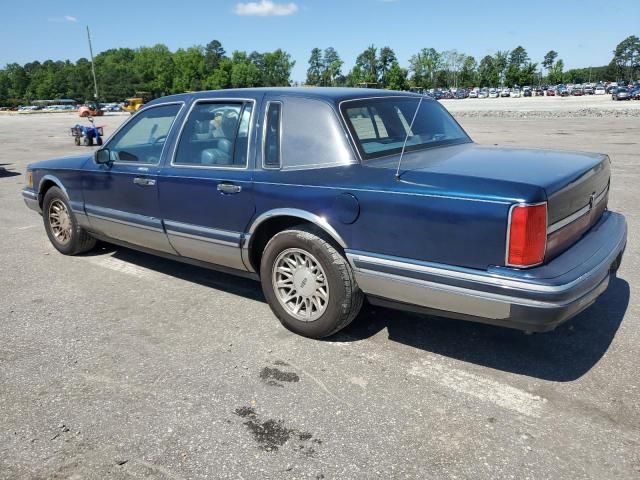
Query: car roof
x,y
331,94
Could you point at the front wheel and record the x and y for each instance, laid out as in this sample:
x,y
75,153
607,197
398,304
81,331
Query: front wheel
x,y
309,285
61,225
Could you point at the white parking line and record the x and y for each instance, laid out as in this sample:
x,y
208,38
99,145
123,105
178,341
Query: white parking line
x,y
122,267
482,388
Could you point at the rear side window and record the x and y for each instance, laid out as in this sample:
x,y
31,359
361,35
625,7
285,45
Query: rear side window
x,y
272,137
216,134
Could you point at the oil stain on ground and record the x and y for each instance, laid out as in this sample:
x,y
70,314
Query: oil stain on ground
x,y
273,376
272,434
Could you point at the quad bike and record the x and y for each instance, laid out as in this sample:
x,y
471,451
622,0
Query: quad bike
x,y
87,135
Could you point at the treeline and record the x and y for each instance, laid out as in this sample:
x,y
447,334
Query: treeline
x,y
430,68
123,71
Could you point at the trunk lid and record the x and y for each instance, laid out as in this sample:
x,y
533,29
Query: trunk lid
x,y
575,184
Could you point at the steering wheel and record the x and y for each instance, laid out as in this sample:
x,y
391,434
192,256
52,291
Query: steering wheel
x,y
158,140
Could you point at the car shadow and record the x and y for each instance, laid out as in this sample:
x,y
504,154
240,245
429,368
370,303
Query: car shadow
x,y
7,173
563,355
203,276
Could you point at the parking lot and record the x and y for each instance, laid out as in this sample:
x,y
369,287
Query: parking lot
x,y
118,365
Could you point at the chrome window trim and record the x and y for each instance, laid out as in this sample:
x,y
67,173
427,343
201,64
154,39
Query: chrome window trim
x,y
241,100
506,253
576,215
264,135
112,136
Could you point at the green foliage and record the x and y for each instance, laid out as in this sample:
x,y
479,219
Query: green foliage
x,y
123,71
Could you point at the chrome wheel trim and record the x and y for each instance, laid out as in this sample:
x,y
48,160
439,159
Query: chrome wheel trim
x,y
60,221
300,284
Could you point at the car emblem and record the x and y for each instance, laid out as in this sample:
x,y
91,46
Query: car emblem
x,y
592,199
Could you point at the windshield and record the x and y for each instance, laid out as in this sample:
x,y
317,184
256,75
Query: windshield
x,y
379,126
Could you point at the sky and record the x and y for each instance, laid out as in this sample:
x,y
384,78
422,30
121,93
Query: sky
x,y
583,32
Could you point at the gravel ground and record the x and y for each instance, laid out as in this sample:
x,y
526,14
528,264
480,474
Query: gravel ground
x,y
544,107
121,365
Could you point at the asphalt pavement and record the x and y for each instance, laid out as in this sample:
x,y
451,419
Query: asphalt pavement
x,y
121,365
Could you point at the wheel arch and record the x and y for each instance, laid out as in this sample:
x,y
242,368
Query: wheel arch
x,y
46,182
266,225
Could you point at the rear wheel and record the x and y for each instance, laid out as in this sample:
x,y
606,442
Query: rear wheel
x,y
309,285
61,225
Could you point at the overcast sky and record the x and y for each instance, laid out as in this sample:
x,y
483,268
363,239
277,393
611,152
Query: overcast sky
x,y
583,32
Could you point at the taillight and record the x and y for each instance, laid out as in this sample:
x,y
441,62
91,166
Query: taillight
x,y
527,236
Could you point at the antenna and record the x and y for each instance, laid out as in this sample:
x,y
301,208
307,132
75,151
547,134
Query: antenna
x,y
93,68
406,139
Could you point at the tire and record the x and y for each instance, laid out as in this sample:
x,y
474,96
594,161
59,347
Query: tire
x,y
343,298
77,140
85,141
99,141
78,241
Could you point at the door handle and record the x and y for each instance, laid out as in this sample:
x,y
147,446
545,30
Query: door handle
x,y
144,182
229,188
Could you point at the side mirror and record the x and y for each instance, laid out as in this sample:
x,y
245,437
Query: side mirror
x,y
103,156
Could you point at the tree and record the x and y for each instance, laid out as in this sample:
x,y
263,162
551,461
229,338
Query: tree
x,y
367,62
424,66
468,74
557,75
316,67
396,77
549,59
213,54
332,67
627,57
277,69
386,59
488,73
501,61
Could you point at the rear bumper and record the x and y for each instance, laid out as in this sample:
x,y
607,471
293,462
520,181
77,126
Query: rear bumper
x,y
31,200
536,300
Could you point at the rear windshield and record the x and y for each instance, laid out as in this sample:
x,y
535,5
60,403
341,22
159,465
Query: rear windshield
x,y
379,126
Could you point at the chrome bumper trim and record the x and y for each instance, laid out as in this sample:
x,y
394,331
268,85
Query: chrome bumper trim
x,y
30,198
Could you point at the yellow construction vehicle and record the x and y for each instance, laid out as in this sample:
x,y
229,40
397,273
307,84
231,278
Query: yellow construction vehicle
x,y
133,104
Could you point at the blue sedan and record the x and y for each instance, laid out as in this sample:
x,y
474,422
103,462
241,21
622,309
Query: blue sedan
x,y
328,196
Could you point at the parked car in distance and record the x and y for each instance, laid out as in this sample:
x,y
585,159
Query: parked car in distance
x,y
527,92
599,90
577,92
620,93
483,93
473,93
562,91
550,92
493,93
515,93
505,92
328,196
635,94
588,90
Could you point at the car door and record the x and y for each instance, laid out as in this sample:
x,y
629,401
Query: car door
x,y
206,190
121,197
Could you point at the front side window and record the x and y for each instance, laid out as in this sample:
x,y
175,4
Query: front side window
x,y
141,140
216,135
380,126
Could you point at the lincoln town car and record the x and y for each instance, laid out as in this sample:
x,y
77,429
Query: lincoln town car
x,y
330,196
